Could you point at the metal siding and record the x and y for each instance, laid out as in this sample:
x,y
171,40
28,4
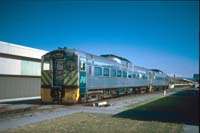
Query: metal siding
x,y
17,87
30,68
19,67
10,66
159,83
95,82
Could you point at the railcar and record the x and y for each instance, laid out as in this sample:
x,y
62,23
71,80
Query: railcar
x,y
70,76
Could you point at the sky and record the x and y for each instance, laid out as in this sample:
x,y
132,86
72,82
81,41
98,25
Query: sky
x,y
153,34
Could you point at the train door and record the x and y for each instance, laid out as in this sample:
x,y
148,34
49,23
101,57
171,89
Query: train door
x,y
82,77
151,77
46,76
58,70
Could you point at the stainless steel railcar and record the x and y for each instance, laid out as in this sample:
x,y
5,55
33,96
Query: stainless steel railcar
x,y
69,76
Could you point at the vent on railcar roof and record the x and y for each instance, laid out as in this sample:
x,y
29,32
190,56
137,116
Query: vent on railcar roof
x,y
156,70
114,56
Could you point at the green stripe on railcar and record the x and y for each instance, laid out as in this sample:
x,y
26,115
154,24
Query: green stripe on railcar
x,y
82,82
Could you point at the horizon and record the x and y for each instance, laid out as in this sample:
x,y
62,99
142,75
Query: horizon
x,y
159,34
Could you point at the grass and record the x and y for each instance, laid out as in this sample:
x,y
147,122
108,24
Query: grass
x,y
97,123
153,103
181,107
132,106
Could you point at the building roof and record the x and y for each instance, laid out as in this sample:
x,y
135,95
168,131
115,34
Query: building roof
x,y
18,50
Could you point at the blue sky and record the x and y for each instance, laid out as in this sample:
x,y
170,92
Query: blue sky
x,y
159,34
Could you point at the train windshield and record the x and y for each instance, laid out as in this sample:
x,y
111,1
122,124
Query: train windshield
x,y
71,64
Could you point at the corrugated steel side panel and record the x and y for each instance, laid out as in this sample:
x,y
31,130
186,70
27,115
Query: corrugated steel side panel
x,y
19,67
30,68
10,66
17,87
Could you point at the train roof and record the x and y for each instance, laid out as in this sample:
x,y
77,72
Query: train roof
x,y
108,56
104,56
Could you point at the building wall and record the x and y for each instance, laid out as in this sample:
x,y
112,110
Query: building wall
x,y
20,71
10,66
18,87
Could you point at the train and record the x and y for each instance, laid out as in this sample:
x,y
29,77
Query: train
x,y
72,76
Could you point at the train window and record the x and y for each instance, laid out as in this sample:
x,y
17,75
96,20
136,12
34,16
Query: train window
x,y
124,74
97,71
143,76
70,64
113,72
82,65
106,72
140,75
46,66
157,78
134,75
119,73
129,75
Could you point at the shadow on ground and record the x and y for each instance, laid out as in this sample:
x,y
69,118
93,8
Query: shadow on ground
x,y
181,107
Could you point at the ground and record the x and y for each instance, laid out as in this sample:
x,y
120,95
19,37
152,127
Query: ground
x,y
175,112
85,122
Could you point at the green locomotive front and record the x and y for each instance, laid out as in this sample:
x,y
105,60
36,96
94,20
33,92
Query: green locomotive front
x,y
60,77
